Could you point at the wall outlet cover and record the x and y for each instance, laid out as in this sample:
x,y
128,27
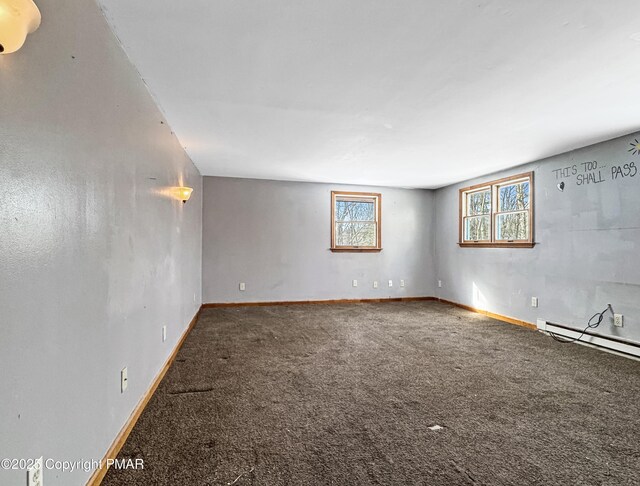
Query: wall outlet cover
x,y
534,302
375,284
439,283
355,283
401,283
242,287
390,283
34,474
618,320
124,380
164,333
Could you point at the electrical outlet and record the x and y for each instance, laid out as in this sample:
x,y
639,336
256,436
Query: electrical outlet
x,y
164,333
194,298
439,284
355,283
34,474
618,320
390,283
124,380
243,287
534,302
401,283
375,284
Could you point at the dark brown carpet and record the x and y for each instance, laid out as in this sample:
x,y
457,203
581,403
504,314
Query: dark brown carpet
x,y
346,395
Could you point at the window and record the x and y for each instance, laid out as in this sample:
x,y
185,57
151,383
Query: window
x,y
355,221
498,213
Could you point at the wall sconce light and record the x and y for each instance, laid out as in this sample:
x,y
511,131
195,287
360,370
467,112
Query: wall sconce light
x,y
18,18
184,193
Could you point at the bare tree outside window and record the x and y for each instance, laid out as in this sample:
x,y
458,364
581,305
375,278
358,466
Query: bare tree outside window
x,y
478,220
499,213
355,221
512,221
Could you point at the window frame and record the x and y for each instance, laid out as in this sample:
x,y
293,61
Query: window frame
x,y
494,187
337,195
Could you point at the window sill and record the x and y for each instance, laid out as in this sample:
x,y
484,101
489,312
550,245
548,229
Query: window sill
x,y
497,245
356,250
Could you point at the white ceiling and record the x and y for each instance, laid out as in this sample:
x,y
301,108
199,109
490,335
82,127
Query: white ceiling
x,y
413,93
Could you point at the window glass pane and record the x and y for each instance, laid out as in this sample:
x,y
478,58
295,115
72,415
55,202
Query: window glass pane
x,y
477,228
513,226
479,203
356,234
355,210
514,197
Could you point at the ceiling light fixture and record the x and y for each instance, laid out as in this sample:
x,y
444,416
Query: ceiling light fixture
x,y
18,18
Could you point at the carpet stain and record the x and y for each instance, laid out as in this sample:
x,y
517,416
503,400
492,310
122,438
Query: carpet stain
x,y
195,390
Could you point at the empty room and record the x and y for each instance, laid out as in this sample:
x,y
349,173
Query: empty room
x,y
319,242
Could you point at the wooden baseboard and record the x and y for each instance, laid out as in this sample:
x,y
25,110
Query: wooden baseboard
x,y
498,317
306,302
98,475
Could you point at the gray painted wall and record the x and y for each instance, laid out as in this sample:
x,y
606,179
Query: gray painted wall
x,y
588,242
275,237
94,258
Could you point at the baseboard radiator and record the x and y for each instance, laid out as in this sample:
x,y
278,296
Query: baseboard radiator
x,y
616,345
